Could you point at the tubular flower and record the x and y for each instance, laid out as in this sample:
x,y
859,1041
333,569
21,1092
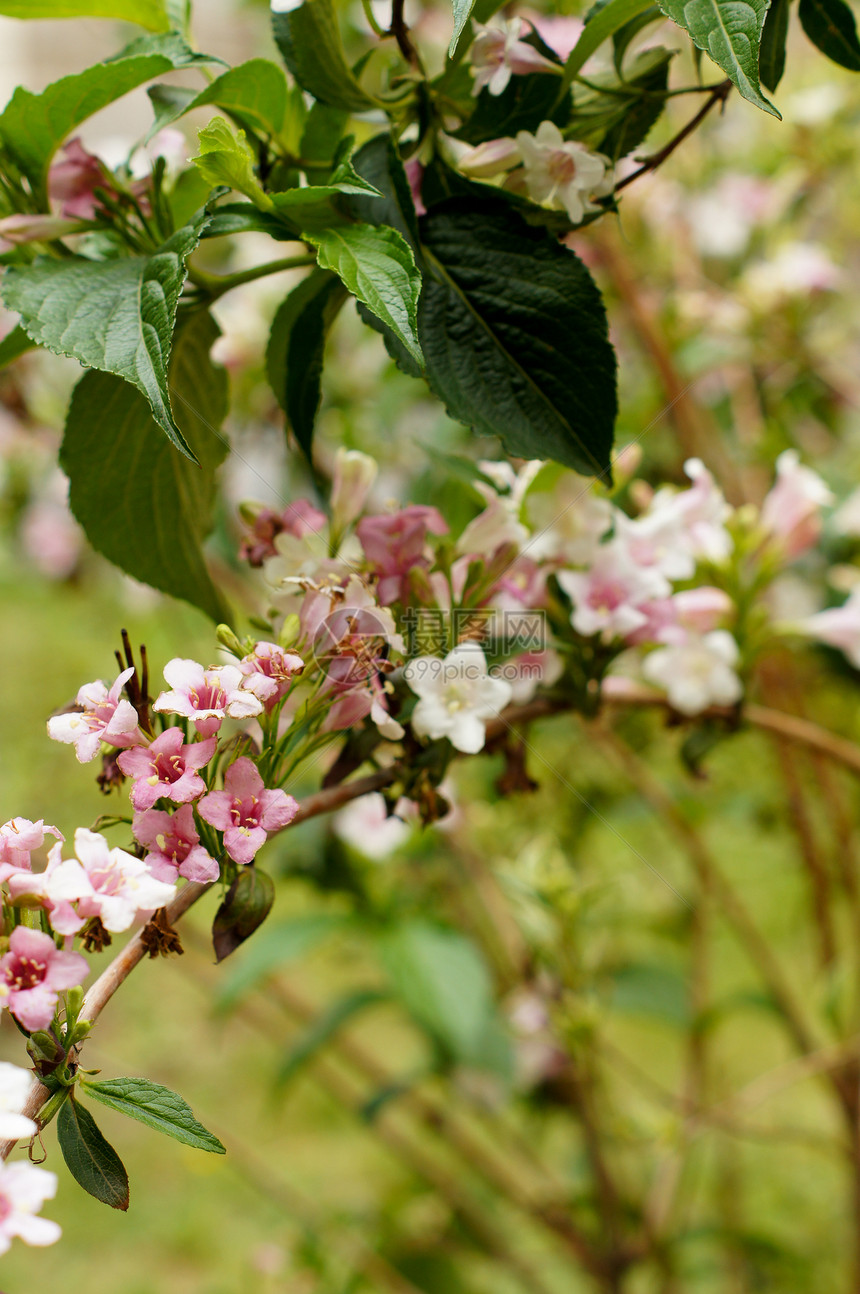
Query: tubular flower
x,y
456,697
206,697
33,973
562,173
175,848
245,811
167,768
497,52
101,715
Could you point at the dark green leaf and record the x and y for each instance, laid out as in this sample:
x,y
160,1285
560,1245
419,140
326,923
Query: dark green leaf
x,y
91,1159
309,40
142,505
244,217
830,26
271,950
609,19
32,126
15,343
156,1106
294,357
441,979
146,13
323,1030
729,31
247,904
377,266
254,94
771,59
624,35
116,316
378,161
514,335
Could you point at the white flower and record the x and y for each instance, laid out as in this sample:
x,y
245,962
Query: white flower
x,y
607,599
568,524
367,825
791,512
698,673
499,522
23,1190
497,51
15,1083
838,627
490,158
457,697
680,526
561,173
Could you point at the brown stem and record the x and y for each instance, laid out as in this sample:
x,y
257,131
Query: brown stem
x,y
400,32
718,95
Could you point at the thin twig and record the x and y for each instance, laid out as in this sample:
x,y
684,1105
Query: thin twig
x,y
718,95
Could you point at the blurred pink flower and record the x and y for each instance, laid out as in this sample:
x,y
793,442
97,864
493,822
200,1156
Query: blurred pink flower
x,y
297,519
395,543
497,51
24,1188
791,512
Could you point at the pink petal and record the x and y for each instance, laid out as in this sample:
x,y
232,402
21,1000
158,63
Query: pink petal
x,y
215,809
243,780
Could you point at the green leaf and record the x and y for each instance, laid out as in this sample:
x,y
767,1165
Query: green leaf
x,y
157,1107
244,909
323,1030
514,335
15,343
226,158
142,505
379,162
729,31
830,26
615,125
310,44
607,20
91,1159
116,316
274,948
254,94
377,266
32,126
322,132
660,992
771,57
442,980
462,10
622,38
146,13
294,357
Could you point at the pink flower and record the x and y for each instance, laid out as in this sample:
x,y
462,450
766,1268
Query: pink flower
x,y
269,672
791,513
167,768
73,179
838,627
33,973
18,838
206,697
103,716
297,519
174,844
101,882
415,175
245,811
609,598
395,544
497,51
23,1190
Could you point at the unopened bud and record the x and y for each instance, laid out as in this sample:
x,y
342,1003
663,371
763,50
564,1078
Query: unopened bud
x,y
354,474
227,638
250,510
490,158
290,631
36,228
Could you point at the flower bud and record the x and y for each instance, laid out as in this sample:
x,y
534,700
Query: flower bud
x,y
490,158
290,631
36,228
354,474
227,638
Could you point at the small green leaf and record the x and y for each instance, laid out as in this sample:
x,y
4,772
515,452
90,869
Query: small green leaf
x,y
442,980
91,1159
323,1030
32,126
309,40
462,10
830,26
514,335
294,357
274,948
225,158
15,343
729,31
157,1107
606,21
254,94
247,904
771,59
142,505
377,266
146,13
116,315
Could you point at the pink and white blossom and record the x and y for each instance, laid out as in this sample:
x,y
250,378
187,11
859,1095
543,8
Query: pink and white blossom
x,y
457,696
791,512
354,474
168,768
497,52
19,837
563,173
24,1188
269,672
245,811
103,715
15,1084
298,519
206,696
837,626
490,158
33,973
698,673
609,597
395,544
174,845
